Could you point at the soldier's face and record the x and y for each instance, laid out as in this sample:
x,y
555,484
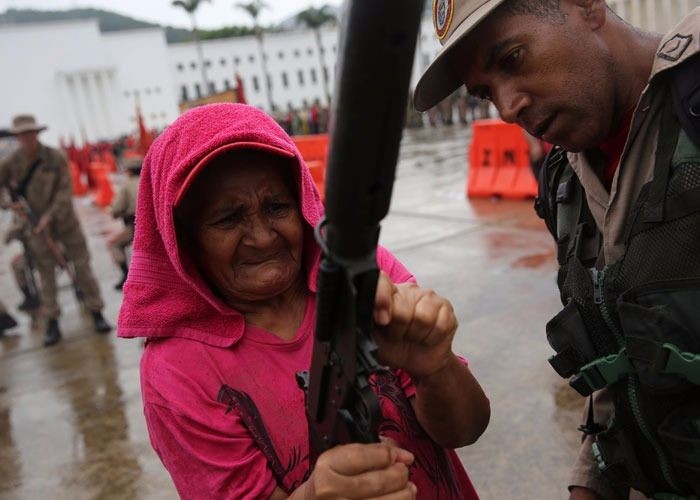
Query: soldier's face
x,y
553,77
29,142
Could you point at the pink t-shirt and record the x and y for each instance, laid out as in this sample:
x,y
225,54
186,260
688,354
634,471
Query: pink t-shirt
x,y
230,422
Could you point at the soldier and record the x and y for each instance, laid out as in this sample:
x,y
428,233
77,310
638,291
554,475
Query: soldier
x,y
39,174
124,207
621,195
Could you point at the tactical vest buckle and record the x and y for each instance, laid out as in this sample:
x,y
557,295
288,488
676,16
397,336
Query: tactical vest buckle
x,y
601,373
683,364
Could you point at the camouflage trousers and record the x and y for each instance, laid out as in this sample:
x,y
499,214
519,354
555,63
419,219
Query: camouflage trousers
x,y
72,241
119,243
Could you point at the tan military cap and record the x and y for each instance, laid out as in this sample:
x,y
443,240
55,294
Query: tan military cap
x,y
25,123
453,20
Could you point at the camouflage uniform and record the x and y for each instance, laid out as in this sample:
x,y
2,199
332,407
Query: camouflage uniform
x,y
49,194
124,207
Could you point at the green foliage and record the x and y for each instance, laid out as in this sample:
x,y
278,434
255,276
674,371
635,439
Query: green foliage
x,y
253,8
190,6
313,18
227,32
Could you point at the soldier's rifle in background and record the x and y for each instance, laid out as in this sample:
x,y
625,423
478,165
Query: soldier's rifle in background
x,y
377,48
29,215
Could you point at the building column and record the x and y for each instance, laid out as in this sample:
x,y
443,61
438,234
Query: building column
x,y
67,109
105,108
79,106
93,113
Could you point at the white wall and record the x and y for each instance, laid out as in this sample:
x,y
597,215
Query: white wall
x,y
143,77
287,53
35,59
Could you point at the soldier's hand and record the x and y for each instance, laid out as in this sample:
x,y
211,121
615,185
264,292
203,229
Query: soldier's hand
x,y
579,493
42,224
415,328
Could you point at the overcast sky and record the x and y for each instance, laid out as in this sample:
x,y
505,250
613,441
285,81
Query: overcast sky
x,y
213,14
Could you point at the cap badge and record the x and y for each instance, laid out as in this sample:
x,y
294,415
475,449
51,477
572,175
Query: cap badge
x,y
442,16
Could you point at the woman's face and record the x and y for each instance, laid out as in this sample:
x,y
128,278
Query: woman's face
x,y
247,229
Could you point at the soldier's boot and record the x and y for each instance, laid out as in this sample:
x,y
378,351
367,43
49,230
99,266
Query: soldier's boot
x,y
6,322
53,333
30,301
125,271
101,325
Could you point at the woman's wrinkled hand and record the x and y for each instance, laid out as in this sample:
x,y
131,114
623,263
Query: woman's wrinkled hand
x,y
377,470
414,328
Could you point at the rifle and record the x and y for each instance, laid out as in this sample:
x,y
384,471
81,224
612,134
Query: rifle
x,y
378,42
50,243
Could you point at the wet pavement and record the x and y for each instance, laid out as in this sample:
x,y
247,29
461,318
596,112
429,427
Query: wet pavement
x,y
71,424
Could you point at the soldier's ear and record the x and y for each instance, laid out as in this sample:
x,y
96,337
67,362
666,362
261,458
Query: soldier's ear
x,y
592,12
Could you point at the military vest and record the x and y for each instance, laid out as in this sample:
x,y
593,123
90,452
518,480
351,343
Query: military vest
x,y
633,327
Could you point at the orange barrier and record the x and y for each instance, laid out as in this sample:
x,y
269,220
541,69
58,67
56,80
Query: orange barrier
x,y
79,187
103,192
314,150
499,162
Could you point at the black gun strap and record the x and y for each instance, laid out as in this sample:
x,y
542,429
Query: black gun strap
x,y
22,186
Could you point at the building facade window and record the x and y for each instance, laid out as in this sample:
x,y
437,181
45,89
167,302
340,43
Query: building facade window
x,y
256,84
325,73
198,90
297,53
222,61
285,80
227,84
313,75
183,93
269,82
193,65
300,74
280,55
309,51
236,60
212,88
251,58
180,66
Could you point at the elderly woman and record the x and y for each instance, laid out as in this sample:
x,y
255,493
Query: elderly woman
x,y
222,285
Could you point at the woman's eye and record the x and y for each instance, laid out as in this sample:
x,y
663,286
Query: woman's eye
x,y
278,208
230,219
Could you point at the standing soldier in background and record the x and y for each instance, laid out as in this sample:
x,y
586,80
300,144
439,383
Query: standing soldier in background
x,y
124,207
39,174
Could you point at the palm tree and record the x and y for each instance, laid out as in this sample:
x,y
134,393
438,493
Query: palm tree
x,y
253,8
191,6
314,19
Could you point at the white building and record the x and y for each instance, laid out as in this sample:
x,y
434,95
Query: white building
x,y
82,83
85,84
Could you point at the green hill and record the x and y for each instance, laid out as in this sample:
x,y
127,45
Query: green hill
x,y
111,21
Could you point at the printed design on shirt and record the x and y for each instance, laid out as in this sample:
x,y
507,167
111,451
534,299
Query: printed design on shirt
x,y
243,404
429,456
675,47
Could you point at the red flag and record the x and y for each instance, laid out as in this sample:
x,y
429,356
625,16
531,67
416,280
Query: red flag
x,y
240,93
145,137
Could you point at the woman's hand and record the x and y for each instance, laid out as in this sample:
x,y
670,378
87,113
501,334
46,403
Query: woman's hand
x,y
415,328
377,470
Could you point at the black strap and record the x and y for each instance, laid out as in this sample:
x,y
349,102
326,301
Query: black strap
x,y
668,139
591,427
685,88
22,186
